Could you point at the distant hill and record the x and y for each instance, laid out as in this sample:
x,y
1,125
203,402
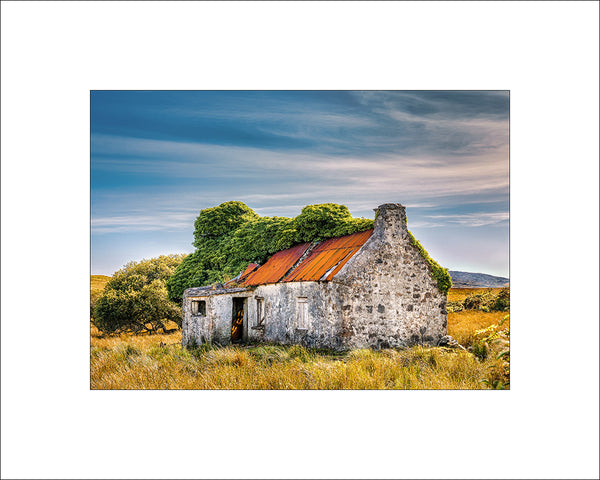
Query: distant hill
x,y
476,280
97,282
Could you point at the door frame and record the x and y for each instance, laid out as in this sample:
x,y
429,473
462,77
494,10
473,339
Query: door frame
x,y
235,301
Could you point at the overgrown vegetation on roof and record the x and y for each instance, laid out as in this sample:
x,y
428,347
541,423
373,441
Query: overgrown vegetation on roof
x,y
229,237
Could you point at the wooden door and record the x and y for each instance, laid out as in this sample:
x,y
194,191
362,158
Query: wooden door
x,y
237,324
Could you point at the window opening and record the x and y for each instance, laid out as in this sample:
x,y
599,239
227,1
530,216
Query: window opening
x,y
260,311
199,307
302,314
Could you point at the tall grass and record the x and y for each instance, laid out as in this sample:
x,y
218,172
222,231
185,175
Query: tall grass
x,y
158,362
463,325
97,282
126,366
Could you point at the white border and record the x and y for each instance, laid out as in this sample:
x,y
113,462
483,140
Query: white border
x,y
546,53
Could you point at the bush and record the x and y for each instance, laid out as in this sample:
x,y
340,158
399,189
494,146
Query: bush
x,y
485,302
135,299
480,350
474,302
502,300
455,306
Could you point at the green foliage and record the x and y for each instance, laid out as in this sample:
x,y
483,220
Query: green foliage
x,y
327,220
135,298
221,220
94,297
440,274
502,300
473,302
480,350
239,236
494,340
97,283
454,306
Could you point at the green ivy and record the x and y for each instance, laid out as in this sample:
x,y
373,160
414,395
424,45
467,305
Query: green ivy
x,y
440,274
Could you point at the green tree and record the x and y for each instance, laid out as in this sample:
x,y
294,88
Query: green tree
x,y
136,298
222,220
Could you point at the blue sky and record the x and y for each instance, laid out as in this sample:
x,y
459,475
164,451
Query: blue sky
x,y
159,157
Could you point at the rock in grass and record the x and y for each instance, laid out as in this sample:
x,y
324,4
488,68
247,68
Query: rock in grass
x,y
450,342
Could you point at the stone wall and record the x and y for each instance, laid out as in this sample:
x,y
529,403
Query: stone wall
x,y
383,297
215,326
391,298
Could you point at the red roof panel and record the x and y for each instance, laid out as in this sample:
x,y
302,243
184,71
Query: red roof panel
x,y
277,266
249,269
327,258
331,254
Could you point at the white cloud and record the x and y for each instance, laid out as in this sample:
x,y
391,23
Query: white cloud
x,y
468,219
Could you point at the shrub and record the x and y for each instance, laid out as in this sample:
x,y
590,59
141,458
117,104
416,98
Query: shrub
x,y
485,302
455,306
480,350
502,300
474,302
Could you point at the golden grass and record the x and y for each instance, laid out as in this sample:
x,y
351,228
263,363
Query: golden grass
x,y
132,366
97,282
462,325
159,362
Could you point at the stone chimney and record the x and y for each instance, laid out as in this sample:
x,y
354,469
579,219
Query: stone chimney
x,y
390,222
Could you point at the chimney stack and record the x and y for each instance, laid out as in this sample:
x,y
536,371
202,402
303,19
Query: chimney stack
x,y
390,222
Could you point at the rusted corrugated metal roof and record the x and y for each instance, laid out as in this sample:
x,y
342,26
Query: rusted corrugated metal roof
x,y
277,266
328,258
322,263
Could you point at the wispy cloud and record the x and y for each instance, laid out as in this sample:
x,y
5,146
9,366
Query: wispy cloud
x,y
465,220
135,222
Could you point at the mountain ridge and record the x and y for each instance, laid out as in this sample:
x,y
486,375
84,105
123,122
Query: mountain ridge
x,y
476,280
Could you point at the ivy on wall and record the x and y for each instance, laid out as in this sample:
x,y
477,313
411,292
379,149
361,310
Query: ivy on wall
x,y
439,273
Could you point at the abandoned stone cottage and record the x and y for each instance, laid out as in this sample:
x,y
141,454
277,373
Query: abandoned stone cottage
x,y
369,289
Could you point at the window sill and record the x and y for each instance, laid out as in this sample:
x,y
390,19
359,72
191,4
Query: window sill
x,y
258,327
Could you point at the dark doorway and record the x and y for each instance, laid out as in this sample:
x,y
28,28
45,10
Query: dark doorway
x,y
237,324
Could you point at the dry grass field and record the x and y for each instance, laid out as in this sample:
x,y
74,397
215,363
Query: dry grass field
x,y
159,362
97,282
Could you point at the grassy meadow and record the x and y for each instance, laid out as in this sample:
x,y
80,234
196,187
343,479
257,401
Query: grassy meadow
x,y
158,362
